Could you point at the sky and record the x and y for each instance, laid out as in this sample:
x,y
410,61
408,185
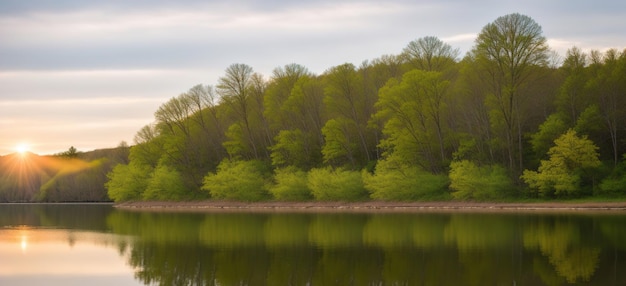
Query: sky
x,y
90,74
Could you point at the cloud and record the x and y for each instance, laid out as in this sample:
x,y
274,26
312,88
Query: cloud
x,y
77,71
89,84
166,38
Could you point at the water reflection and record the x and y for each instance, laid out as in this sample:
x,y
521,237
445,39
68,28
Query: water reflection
x,y
374,249
30,254
241,248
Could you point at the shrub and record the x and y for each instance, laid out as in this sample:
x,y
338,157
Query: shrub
x,y
615,184
571,159
127,182
238,180
394,181
472,182
328,184
290,185
166,184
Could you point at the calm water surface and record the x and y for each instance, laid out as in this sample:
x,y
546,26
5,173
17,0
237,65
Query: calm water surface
x,y
99,245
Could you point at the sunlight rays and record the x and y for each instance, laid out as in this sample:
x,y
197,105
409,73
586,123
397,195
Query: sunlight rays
x,y
29,177
22,148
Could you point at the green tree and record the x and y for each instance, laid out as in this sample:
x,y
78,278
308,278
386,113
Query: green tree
x,y
570,159
203,99
347,102
607,86
238,180
306,103
330,184
394,180
338,146
615,183
291,150
414,110
290,185
472,182
128,182
508,51
236,89
165,184
277,95
430,54
572,98
552,128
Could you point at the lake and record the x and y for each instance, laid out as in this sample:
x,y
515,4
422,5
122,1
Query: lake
x,y
76,244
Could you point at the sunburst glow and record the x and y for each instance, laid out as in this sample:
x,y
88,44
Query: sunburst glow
x,y
22,148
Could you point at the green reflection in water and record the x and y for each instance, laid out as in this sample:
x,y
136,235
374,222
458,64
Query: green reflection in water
x,y
374,249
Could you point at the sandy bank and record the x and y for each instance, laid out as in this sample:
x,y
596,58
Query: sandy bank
x,y
370,206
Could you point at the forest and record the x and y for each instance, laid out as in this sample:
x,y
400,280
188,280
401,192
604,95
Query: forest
x,y
509,120
69,176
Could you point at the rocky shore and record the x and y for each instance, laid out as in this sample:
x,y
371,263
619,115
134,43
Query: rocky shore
x,y
370,206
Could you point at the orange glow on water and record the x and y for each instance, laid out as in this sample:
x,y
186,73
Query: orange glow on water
x,y
24,243
32,251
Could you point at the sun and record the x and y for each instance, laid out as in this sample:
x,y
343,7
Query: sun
x,y
22,148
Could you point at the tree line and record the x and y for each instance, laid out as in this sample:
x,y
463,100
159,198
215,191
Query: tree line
x,y
69,176
508,120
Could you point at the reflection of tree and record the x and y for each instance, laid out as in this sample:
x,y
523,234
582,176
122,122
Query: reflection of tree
x,y
292,265
164,264
349,266
232,230
287,230
479,232
561,243
362,249
380,232
614,230
337,230
401,230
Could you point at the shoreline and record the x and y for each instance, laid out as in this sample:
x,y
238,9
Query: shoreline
x,y
369,206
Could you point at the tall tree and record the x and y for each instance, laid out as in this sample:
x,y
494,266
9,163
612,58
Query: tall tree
x,y
508,50
277,94
299,143
346,100
235,91
430,54
203,99
572,99
607,86
414,109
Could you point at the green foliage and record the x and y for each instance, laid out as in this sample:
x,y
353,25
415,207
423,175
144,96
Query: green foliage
x,y
562,174
615,183
290,185
128,182
421,107
472,182
330,184
509,52
238,180
396,181
289,149
589,121
165,184
236,145
549,130
414,113
338,145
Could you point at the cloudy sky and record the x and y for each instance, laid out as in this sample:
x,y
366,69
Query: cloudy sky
x,y
90,74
